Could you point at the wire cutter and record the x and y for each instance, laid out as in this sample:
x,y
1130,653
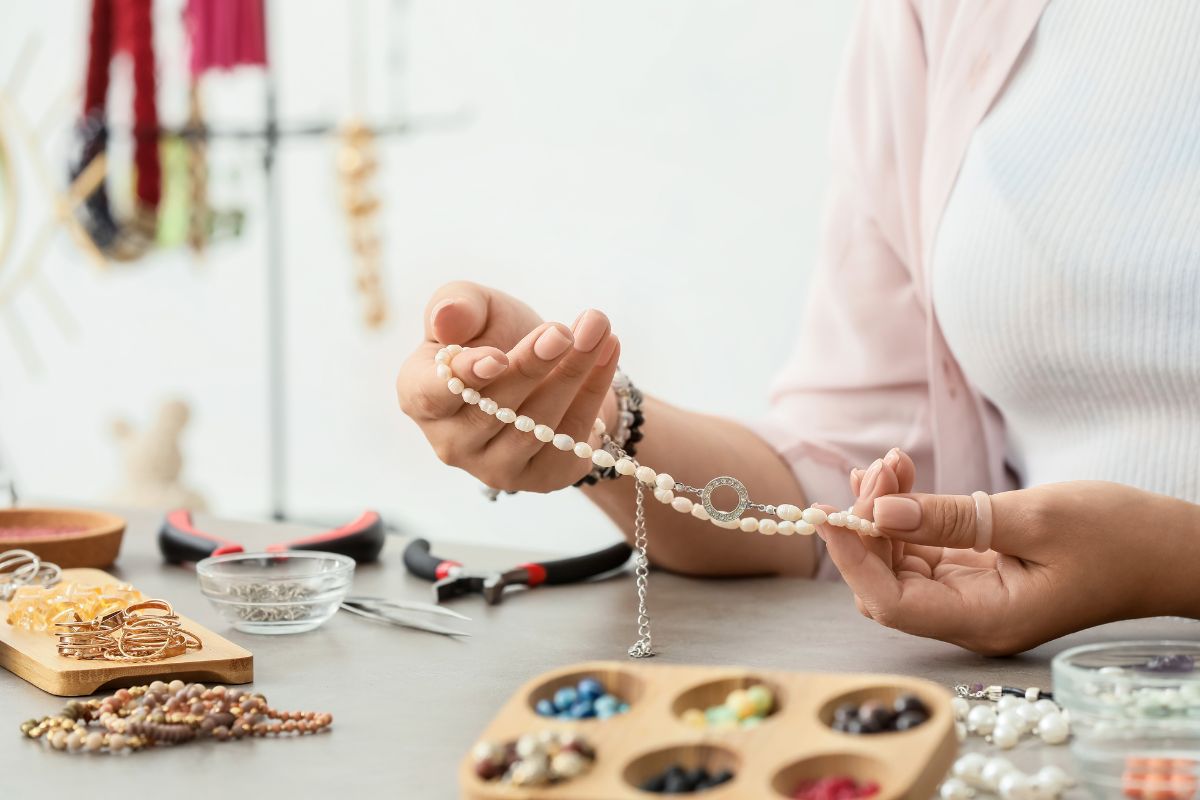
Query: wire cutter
x,y
181,542
451,579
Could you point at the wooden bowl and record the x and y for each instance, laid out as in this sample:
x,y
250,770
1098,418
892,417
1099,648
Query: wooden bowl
x,y
66,536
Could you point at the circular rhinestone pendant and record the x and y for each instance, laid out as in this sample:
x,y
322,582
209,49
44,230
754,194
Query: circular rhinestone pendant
x,y
716,513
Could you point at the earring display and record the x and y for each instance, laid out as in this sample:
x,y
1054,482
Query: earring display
x,y
357,164
162,714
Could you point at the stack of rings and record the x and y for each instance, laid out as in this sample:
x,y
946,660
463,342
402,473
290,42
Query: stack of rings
x,y
791,519
146,631
21,568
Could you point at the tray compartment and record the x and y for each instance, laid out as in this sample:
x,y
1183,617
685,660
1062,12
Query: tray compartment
x,y
711,757
856,765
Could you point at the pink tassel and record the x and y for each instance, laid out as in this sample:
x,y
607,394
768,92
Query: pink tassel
x,y
226,34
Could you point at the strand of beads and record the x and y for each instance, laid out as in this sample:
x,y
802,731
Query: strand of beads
x,y
790,519
974,775
1009,718
165,714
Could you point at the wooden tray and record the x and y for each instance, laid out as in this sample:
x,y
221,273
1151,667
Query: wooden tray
x,y
793,744
32,655
94,546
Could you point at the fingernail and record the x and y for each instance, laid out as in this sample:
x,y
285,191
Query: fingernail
x,y
870,478
610,347
488,367
892,458
589,330
440,307
897,513
551,344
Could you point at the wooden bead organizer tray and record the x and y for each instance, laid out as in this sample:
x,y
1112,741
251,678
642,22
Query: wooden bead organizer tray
x,y
793,744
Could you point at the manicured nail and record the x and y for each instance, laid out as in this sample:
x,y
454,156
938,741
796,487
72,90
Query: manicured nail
x,y
590,328
439,308
551,344
892,459
488,367
606,355
897,513
870,478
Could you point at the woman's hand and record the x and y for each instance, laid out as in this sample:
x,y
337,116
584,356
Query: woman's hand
x,y
1063,557
557,375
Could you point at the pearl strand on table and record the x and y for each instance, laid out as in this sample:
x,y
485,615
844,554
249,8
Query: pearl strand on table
x,y
791,519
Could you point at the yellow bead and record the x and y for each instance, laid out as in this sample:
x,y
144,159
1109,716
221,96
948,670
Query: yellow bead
x,y
740,703
762,698
694,717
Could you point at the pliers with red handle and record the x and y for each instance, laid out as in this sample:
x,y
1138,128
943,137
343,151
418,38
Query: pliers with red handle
x,y
180,541
451,579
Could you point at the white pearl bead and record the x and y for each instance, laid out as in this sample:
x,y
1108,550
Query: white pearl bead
x,y
1008,702
767,527
1053,779
970,766
731,525
961,707
506,415
664,481
851,521
598,426
583,450
867,527
1011,718
981,720
837,519
1047,707
814,516
804,529
470,396
993,771
1014,786
645,474
625,466
1005,736
681,504
1030,714
488,406
788,512
748,524
543,433
524,424
1053,729
664,495
786,528
442,357
454,349
455,385
954,789
603,459
563,442
444,372
698,512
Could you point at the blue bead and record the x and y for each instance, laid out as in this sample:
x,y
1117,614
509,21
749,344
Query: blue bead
x,y
607,701
564,698
590,688
623,708
583,710
604,713
545,708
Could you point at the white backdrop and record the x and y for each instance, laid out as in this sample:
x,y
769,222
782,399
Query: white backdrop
x,y
662,161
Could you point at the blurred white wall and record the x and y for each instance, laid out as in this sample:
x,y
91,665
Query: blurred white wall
x,y
662,161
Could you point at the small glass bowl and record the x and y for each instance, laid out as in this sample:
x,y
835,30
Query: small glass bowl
x,y
288,592
1135,714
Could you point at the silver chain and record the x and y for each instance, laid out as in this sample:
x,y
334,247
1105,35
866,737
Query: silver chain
x,y
643,647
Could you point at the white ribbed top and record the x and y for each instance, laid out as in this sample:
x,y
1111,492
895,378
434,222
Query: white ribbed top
x,y
1066,272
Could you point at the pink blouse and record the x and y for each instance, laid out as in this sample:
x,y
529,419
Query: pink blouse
x,y
871,370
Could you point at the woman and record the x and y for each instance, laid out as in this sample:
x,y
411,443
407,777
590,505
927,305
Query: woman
x,y
1008,289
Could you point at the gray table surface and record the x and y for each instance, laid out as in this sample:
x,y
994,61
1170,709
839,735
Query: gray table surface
x,y
408,705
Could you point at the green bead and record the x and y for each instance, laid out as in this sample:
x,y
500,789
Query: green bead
x,y
762,697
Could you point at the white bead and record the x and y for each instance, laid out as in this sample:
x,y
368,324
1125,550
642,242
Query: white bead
x,y
1053,729
454,349
1053,779
506,415
625,466
603,459
954,789
993,771
563,442
442,357
1005,736
598,426
970,766
731,525
444,372
767,527
837,519
1008,702
698,512
455,385
1011,718
664,495
664,481
543,433
488,406
748,524
470,396
804,529
1030,714
867,527
851,521
960,731
961,707
583,450
786,528
1031,694
1047,707
680,504
788,512
814,516
981,720
524,424
645,474
1014,786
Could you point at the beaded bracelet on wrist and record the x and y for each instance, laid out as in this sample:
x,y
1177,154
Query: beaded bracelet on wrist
x,y
628,432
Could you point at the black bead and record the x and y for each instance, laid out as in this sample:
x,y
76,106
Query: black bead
x,y
844,712
909,720
854,726
655,783
909,702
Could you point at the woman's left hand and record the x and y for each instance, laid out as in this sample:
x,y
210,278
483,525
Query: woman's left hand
x,y
1063,557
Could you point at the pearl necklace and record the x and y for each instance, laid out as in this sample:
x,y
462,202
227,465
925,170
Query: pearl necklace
x,y
791,519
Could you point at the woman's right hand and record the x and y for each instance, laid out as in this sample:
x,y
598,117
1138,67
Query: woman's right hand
x,y
557,375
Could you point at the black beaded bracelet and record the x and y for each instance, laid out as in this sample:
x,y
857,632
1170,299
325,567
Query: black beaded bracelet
x,y
628,431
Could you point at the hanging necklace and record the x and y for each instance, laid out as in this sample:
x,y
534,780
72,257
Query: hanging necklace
x,y
789,519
